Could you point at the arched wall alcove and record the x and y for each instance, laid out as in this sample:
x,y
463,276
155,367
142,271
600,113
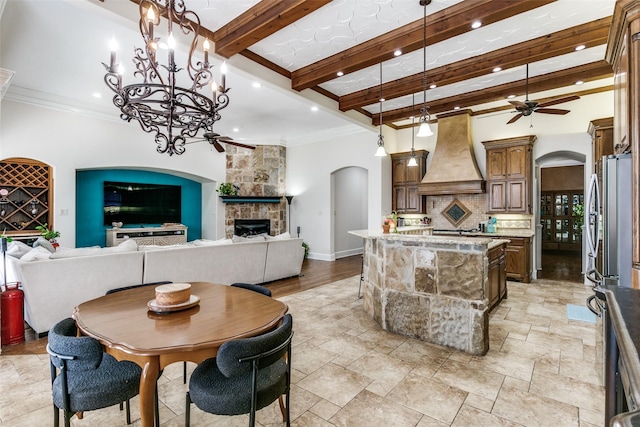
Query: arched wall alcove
x,y
349,199
90,228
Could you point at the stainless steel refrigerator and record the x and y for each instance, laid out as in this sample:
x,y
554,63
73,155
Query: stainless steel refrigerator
x,y
616,221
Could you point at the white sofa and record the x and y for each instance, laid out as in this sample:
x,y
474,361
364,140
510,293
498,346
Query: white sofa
x,y
53,287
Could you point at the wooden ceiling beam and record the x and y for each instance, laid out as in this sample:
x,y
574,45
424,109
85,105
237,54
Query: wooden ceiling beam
x,y
259,22
591,34
442,25
592,71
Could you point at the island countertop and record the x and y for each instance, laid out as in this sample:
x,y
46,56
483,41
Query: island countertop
x,y
451,239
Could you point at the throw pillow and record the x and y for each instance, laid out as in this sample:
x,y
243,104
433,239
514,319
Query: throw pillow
x,y
36,254
41,241
17,248
283,236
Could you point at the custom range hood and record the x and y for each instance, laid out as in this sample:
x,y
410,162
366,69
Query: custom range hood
x,y
453,168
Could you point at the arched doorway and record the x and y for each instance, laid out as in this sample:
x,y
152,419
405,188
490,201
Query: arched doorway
x,y
559,217
349,202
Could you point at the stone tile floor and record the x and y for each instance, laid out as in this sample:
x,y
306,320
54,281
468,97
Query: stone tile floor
x,y
540,371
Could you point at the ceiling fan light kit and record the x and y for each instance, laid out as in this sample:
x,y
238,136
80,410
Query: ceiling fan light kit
x,y
159,105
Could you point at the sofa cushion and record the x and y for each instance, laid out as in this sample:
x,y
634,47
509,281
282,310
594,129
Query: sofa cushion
x,y
128,245
256,238
17,249
36,254
205,242
282,236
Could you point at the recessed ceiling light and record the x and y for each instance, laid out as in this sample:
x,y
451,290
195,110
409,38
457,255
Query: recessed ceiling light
x,y
579,82
97,95
580,47
340,73
381,99
256,84
314,108
511,96
236,130
476,24
433,86
456,108
398,52
496,69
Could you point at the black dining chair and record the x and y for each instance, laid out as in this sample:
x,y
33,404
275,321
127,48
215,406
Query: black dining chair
x,y
256,288
247,375
83,377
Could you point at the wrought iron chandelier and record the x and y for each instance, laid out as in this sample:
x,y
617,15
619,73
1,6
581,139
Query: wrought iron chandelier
x,y
158,103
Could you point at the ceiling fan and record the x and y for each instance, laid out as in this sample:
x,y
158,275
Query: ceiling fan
x,y
215,139
527,107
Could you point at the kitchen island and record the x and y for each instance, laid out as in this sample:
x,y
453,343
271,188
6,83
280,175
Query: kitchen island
x,y
434,288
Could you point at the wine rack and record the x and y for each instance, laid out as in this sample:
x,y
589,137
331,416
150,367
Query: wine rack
x,y
25,196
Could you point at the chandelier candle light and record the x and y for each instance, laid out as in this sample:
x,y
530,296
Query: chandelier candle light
x,y
157,102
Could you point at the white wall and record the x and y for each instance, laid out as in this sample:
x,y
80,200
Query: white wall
x,y
309,169
70,142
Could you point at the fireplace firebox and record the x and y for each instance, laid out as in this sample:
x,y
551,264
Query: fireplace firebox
x,y
251,227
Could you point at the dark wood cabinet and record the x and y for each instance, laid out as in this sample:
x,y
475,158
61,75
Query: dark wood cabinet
x,y
405,180
518,258
509,175
25,196
496,276
601,132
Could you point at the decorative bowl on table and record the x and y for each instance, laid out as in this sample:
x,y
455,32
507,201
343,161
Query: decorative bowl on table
x,y
173,297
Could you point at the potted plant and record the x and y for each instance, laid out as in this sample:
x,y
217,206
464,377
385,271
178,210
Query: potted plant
x,y
227,189
49,234
306,249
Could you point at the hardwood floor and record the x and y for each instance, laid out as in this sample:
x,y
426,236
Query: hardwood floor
x,y
314,273
561,265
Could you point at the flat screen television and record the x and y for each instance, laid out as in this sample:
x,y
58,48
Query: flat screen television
x,y
138,204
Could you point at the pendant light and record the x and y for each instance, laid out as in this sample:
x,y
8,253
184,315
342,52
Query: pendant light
x,y
381,152
425,129
412,159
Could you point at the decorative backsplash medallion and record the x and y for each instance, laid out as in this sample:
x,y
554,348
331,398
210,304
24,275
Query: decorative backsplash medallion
x,y
456,212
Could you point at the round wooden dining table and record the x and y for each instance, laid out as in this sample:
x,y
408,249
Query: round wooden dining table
x,y
128,330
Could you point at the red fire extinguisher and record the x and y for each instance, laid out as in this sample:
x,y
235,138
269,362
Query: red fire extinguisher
x,y
11,312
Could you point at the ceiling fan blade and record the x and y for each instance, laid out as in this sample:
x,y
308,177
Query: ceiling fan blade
x,y
514,118
217,145
518,104
557,111
224,139
238,144
559,101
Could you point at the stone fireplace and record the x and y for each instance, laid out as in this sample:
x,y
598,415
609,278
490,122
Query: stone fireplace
x,y
259,172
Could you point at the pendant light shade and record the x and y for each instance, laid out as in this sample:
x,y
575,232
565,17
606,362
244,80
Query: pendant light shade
x,y
381,152
424,129
412,160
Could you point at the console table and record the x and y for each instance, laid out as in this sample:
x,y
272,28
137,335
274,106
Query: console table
x,y
162,236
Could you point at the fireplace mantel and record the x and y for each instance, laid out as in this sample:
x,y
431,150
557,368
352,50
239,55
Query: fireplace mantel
x,y
251,199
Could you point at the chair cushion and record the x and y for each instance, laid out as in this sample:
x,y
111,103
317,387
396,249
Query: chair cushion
x,y
213,392
111,383
63,340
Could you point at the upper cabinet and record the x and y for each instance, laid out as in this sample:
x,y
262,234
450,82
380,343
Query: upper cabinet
x,y
405,180
509,174
601,132
25,196
623,53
